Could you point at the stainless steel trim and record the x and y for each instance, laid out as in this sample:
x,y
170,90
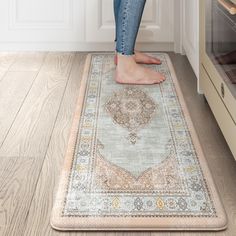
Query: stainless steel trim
x,y
229,6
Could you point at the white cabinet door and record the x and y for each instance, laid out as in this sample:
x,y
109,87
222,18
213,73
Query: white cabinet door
x,y
191,32
156,26
29,24
77,24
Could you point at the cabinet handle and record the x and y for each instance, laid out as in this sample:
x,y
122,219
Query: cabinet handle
x,y
222,88
229,6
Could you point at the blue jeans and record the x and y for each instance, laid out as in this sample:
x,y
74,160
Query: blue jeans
x,y
128,15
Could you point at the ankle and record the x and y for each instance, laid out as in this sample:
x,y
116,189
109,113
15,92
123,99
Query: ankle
x,y
126,61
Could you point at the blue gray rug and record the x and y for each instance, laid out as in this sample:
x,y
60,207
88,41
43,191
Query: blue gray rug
x,y
134,161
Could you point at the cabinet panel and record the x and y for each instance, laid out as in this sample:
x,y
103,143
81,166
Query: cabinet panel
x,y
29,21
191,32
23,15
156,26
221,113
78,25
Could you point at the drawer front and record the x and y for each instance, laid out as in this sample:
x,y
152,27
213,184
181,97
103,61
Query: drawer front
x,y
224,119
221,87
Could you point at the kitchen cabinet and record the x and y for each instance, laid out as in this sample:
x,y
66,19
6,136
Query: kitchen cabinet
x,y
190,32
78,25
88,25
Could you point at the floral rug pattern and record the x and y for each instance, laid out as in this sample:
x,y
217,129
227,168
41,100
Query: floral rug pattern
x,y
134,154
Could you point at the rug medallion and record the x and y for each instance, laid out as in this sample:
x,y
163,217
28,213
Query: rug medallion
x,y
134,160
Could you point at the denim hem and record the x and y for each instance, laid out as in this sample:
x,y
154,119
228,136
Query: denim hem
x,y
128,14
124,54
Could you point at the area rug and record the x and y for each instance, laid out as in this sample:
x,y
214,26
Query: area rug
x,y
134,161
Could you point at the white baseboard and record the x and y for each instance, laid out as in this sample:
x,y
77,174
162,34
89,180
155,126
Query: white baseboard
x,y
74,46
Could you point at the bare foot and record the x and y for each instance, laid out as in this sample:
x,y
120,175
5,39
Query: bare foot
x,y
142,58
129,72
146,59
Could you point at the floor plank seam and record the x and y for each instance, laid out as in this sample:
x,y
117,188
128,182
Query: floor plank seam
x,y
23,101
53,127
4,74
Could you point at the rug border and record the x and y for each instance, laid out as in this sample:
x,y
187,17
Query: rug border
x,y
144,223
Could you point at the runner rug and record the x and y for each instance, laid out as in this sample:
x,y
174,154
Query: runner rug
x,y
133,160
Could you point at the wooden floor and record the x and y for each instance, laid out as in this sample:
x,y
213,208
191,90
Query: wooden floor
x,y
38,93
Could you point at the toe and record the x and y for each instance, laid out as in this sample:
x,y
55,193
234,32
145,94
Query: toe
x,y
155,60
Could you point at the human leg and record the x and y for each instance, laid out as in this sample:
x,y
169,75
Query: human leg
x,y
139,57
129,15
128,18
116,6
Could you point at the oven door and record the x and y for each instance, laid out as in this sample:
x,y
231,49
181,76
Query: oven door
x,y
217,45
221,38
218,42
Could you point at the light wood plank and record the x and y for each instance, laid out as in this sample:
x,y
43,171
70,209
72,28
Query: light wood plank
x,y
31,132
6,60
14,174
30,61
39,214
2,74
13,90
